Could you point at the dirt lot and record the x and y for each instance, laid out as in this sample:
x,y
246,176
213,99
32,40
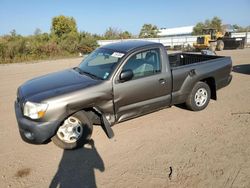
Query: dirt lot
x,y
204,149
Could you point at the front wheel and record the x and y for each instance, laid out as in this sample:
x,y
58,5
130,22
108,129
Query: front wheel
x,y
75,131
199,97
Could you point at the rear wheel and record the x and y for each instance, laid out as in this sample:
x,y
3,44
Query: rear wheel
x,y
220,45
199,97
75,131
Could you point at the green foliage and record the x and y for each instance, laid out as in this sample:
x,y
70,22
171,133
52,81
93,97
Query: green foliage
x,y
215,23
197,30
37,31
88,42
3,48
13,47
69,42
62,25
148,31
13,33
64,40
113,33
125,35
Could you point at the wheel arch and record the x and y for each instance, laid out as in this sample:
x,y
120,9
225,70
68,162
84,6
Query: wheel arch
x,y
100,118
210,81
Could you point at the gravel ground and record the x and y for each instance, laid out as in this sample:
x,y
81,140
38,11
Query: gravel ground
x,y
173,147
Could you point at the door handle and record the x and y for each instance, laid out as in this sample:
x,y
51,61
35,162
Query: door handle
x,y
162,81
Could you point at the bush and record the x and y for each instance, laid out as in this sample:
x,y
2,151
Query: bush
x,y
69,43
87,45
42,46
63,41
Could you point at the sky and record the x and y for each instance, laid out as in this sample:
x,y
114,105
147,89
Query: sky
x,y
95,16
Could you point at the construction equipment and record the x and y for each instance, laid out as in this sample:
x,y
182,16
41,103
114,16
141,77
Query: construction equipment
x,y
233,42
211,39
214,40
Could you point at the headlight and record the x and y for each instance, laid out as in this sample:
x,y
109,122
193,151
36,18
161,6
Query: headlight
x,y
34,110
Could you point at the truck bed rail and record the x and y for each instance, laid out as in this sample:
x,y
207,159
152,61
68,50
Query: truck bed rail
x,y
180,59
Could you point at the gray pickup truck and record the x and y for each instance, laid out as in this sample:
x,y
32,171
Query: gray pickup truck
x,y
115,83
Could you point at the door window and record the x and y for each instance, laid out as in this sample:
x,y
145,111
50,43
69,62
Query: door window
x,y
145,63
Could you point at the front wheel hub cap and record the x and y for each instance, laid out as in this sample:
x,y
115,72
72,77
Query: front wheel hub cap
x,y
71,130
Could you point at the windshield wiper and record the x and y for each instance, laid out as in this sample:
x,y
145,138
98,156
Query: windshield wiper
x,y
91,75
86,73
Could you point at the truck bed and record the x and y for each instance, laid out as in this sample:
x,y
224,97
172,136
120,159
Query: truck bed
x,y
180,59
188,68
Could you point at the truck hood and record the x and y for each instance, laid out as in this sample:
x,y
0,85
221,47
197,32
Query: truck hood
x,y
54,84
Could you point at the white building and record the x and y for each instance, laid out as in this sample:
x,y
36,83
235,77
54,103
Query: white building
x,y
178,31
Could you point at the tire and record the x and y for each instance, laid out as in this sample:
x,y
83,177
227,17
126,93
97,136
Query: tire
x,y
74,132
199,97
212,46
220,45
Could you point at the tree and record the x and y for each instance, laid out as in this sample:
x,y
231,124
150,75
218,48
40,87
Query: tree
x,y
88,42
148,31
62,25
38,31
236,27
112,33
125,35
215,23
197,30
69,42
13,33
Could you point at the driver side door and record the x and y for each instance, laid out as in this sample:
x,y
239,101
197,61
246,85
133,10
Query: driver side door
x,y
148,90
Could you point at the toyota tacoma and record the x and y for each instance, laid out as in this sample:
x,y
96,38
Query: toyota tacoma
x,y
115,83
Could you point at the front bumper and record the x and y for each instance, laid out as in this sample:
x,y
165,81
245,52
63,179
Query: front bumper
x,y
32,131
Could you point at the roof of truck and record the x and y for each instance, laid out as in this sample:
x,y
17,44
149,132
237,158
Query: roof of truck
x,y
126,46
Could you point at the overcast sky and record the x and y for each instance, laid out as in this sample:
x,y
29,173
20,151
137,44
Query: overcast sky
x,y
97,15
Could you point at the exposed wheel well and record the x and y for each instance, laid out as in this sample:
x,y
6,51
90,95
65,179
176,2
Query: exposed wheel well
x,y
211,83
98,118
94,116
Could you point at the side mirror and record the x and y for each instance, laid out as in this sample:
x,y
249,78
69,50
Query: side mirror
x,y
126,75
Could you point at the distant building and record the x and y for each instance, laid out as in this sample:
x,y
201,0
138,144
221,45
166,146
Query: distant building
x,y
178,31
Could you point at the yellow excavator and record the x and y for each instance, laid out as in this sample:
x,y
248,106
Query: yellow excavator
x,y
211,39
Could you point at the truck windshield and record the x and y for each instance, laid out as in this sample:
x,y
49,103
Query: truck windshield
x,y
101,63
